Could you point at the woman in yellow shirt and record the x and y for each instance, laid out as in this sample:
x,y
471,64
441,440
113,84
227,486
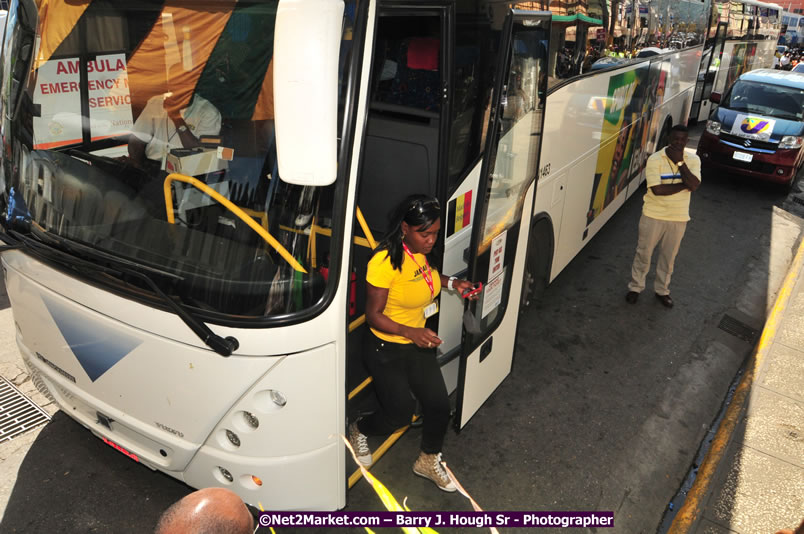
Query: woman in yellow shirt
x,y
400,353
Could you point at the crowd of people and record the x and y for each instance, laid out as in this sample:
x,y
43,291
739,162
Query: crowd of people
x,y
572,62
788,59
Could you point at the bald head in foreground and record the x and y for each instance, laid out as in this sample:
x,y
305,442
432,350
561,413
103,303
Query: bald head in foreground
x,y
207,511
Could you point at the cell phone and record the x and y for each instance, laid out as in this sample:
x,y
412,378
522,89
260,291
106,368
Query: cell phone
x,y
477,288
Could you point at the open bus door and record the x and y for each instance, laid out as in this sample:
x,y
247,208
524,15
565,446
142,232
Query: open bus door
x,y
701,106
504,209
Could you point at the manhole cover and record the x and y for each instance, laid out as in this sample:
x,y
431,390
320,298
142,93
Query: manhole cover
x,y
738,329
18,413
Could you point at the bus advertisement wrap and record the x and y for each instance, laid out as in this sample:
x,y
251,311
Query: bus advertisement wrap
x,y
646,128
622,109
632,97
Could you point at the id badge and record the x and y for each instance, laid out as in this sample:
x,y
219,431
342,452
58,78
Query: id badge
x,y
431,310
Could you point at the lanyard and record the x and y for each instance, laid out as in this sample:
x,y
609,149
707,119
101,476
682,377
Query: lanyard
x,y
428,275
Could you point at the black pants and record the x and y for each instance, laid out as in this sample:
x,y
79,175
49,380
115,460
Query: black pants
x,y
397,371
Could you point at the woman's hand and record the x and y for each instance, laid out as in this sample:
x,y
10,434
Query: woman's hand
x,y
422,337
464,286
376,298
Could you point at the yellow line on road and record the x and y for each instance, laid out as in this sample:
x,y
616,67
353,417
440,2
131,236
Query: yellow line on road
x,y
689,513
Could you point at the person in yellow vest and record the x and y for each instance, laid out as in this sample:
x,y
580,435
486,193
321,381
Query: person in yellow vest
x,y
671,176
401,351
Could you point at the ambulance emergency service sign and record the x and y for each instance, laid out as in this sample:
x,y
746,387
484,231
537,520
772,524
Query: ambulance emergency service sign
x,y
59,95
753,127
58,92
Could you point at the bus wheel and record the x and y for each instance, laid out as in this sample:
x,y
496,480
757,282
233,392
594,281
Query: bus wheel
x,y
537,263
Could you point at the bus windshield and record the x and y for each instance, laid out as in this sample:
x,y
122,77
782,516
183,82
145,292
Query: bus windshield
x,y
145,130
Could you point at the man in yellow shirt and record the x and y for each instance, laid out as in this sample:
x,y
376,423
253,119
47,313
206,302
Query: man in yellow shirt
x,y
671,176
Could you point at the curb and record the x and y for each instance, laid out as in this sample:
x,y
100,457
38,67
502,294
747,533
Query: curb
x,y
690,512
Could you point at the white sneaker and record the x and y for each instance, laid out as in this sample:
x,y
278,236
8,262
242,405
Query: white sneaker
x,y
429,466
359,443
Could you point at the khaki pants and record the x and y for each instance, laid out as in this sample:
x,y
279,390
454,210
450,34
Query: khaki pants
x,y
652,232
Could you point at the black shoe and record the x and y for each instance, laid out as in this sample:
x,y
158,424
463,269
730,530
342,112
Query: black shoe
x,y
666,301
631,297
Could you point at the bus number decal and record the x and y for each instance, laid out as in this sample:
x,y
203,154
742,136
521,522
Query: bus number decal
x,y
545,172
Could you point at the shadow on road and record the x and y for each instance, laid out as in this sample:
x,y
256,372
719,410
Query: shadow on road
x,y
604,410
70,481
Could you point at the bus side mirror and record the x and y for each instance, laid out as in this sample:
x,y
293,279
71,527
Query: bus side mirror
x,y
714,98
307,43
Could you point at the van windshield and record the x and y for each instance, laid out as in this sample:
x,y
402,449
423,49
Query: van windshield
x,y
770,100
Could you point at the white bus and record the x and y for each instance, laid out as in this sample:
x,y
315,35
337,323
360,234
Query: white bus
x,y
742,37
191,192
791,29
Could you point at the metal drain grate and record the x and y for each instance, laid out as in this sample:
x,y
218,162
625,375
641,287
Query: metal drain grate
x,y
738,329
798,200
18,413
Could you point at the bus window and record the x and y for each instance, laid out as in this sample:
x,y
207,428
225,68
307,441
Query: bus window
x,y
736,29
600,38
563,46
592,35
404,121
154,132
407,72
750,22
512,166
472,81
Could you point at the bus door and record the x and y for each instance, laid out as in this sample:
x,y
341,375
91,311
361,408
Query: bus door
x,y
403,153
504,208
701,106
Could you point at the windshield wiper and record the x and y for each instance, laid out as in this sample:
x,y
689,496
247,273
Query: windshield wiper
x,y
11,247
223,346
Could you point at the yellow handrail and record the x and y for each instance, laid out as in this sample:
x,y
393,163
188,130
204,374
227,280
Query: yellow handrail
x,y
363,385
364,226
198,184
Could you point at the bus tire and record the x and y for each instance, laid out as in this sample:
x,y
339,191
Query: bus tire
x,y
538,260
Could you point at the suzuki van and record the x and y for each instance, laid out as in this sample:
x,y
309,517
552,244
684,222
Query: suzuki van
x,y
758,128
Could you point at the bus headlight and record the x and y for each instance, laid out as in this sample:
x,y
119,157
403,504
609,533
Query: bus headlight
x,y
227,476
251,419
233,438
790,141
713,127
278,398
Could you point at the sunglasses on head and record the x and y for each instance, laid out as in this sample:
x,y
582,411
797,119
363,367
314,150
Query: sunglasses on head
x,y
422,204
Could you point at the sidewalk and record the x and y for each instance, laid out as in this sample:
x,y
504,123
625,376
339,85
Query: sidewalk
x,y
752,480
12,452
